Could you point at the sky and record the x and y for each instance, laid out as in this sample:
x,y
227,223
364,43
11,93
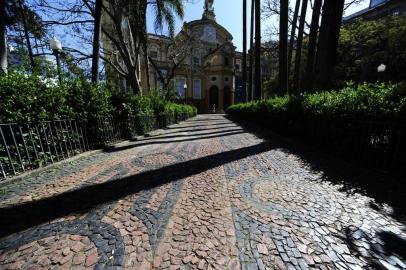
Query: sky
x,y
229,14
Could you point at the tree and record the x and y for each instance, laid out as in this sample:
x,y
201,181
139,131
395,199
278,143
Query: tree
x,y
293,32
283,47
3,37
96,40
328,43
244,48
311,51
258,44
298,56
22,10
364,45
251,52
165,12
178,48
130,43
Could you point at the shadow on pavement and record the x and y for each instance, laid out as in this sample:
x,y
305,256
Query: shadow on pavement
x,y
182,130
20,217
193,126
152,141
387,249
191,134
385,189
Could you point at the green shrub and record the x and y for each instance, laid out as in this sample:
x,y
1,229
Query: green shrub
x,y
32,98
365,101
25,97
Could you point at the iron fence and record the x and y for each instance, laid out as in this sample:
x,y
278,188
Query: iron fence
x,y
27,146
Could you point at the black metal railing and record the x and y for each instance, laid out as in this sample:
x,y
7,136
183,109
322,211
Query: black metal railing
x,y
27,146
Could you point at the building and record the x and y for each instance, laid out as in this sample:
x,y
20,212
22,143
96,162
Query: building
x,y
378,9
200,62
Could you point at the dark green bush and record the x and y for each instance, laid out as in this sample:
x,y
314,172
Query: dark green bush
x,y
26,97
362,123
365,101
32,98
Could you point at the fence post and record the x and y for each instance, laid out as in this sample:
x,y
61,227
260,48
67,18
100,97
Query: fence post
x,y
2,169
32,142
7,151
16,146
25,145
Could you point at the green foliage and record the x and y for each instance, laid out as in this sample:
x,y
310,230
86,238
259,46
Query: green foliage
x,y
173,108
364,45
365,101
32,98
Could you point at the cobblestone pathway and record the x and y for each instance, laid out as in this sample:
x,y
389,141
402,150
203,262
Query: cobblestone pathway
x,y
203,194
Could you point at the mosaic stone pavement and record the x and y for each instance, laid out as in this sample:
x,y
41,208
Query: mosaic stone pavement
x,y
203,194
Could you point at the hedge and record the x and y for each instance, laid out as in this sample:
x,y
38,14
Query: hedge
x,y
30,97
365,123
363,102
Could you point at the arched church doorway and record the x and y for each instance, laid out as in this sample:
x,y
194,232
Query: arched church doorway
x,y
227,97
214,97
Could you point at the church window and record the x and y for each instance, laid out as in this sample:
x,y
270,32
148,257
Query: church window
x,y
180,87
196,61
197,89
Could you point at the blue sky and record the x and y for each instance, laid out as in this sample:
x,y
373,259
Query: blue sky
x,y
229,15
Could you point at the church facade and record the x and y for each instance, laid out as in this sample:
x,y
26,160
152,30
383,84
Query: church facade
x,y
208,73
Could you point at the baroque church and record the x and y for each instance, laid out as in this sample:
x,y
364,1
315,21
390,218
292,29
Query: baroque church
x,y
207,74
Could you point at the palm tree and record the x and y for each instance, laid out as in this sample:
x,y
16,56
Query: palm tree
x,y
283,47
244,48
296,74
257,72
165,12
96,40
311,53
250,77
328,43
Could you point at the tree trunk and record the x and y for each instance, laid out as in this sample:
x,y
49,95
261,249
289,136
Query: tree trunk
x,y
3,38
328,43
257,58
250,79
144,40
283,47
146,62
96,41
134,82
311,54
293,33
244,49
26,34
298,57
